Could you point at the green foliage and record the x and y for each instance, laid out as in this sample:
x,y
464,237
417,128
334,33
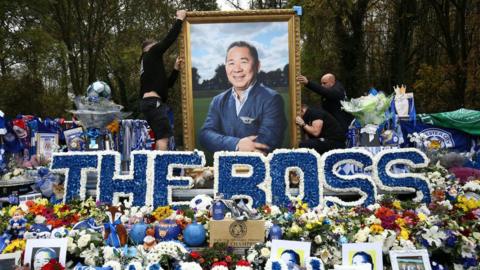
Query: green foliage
x,y
433,88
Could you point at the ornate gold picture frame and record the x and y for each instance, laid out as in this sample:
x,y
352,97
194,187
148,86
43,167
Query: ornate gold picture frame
x,y
204,42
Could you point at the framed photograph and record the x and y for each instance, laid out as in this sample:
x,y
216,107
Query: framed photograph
x,y
239,79
74,139
410,259
361,254
39,252
10,260
293,253
46,145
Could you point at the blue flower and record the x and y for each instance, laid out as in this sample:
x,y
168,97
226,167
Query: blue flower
x,y
469,262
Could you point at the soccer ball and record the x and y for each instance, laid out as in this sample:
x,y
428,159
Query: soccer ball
x,y
201,203
99,89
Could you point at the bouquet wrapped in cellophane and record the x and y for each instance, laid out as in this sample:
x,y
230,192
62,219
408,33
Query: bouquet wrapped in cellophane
x,y
368,109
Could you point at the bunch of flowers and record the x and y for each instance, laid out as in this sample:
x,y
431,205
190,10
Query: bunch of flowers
x,y
218,257
86,244
259,254
448,226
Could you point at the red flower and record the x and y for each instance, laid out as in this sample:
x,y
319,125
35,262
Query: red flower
x,y
243,263
30,203
195,255
228,259
53,265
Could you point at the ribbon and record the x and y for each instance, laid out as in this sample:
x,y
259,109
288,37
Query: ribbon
x,y
113,238
93,133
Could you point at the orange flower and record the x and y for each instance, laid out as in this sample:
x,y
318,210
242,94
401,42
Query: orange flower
x,y
36,209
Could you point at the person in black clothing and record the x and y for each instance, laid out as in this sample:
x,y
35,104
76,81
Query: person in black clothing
x,y
154,83
322,130
332,92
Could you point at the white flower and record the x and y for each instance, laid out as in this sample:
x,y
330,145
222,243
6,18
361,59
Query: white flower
x,y
275,210
434,235
265,252
318,239
468,247
71,246
190,266
24,207
362,235
108,252
73,233
338,229
372,220
83,240
446,204
90,255
251,256
476,235
472,186
373,207
114,265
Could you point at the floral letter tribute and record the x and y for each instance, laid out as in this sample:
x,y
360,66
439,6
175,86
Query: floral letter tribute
x,y
152,175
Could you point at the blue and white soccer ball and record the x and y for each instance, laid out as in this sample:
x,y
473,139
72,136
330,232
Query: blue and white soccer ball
x,y
99,89
201,202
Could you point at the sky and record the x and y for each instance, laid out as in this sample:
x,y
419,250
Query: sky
x,y
210,41
224,5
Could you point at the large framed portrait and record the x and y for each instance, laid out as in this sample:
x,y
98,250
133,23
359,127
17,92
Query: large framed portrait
x,y
238,79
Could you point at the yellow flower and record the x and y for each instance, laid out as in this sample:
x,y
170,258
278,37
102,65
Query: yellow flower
x,y
404,234
295,229
467,204
400,222
12,210
15,245
376,228
397,205
162,212
472,203
42,201
422,216
57,207
309,226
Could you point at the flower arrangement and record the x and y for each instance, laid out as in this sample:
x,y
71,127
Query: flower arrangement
x,y
448,228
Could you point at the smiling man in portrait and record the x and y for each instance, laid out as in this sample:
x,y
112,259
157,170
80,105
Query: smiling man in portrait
x,y
248,116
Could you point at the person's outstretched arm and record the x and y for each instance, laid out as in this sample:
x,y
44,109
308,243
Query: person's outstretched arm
x,y
160,47
336,92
